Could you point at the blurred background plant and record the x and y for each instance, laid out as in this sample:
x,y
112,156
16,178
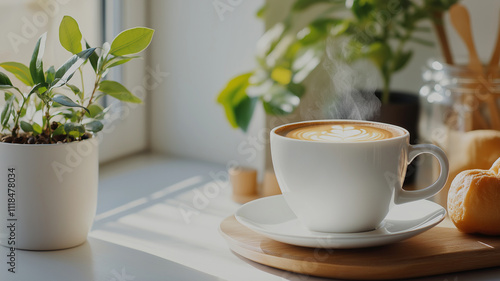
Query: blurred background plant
x,y
376,30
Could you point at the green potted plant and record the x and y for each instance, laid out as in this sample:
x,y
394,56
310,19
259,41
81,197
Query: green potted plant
x,y
289,51
48,147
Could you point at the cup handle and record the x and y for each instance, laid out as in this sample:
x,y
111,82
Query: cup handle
x,y
404,196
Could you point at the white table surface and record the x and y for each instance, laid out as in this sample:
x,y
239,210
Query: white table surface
x,y
157,219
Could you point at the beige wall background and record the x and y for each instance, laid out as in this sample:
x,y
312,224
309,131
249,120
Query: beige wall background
x,y
203,51
202,44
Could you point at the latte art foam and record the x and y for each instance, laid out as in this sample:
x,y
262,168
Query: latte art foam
x,y
340,133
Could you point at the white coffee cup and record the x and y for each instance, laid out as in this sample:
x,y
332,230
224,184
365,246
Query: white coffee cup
x,y
340,182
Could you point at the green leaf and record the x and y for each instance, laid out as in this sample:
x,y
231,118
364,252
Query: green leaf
x,y
318,30
95,111
312,35
76,91
340,28
131,41
56,105
71,114
41,90
21,71
4,80
4,87
73,88
36,64
401,60
8,96
103,57
37,87
70,35
74,130
8,109
59,131
98,97
362,8
118,91
37,129
94,126
51,72
232,95
66,71
23,112
38,105
296,89
261,11
26,127
103,113
93,58
234,92
379,53
280,101
116,61
244,111
64,100
304,4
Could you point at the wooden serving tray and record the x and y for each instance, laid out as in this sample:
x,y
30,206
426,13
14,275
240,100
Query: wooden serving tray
x,y
437,251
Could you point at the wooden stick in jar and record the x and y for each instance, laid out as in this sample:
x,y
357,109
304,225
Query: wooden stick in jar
x,y
492,75
495,57
491,102
461,21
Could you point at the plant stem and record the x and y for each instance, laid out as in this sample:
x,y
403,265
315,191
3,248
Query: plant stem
x,y
83,83
98,78
96,85
48,129
389,71
16,119
386,89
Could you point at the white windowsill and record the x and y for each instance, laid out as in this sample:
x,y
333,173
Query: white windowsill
x,y
149,228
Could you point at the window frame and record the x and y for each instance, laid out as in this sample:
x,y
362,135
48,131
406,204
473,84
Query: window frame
x,y
128,121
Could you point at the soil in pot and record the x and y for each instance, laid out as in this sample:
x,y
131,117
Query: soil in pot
x,y
28,138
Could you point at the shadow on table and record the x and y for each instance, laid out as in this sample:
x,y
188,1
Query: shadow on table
x,y
487,274
95,260
144,181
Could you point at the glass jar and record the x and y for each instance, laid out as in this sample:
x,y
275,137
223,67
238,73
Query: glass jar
x,y
460,113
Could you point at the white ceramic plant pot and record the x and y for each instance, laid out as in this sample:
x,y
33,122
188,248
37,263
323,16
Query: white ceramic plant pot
x,y
48,194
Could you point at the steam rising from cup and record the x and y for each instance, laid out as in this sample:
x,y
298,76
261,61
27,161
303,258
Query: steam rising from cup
x,y
352,85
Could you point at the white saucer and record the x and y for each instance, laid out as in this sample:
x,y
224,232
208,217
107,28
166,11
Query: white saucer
x,y
271,217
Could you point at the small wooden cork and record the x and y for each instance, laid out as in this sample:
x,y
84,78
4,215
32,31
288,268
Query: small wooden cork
x,y
270,185
244,183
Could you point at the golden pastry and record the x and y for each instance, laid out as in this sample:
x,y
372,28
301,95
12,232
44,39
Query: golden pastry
x,y
474,201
